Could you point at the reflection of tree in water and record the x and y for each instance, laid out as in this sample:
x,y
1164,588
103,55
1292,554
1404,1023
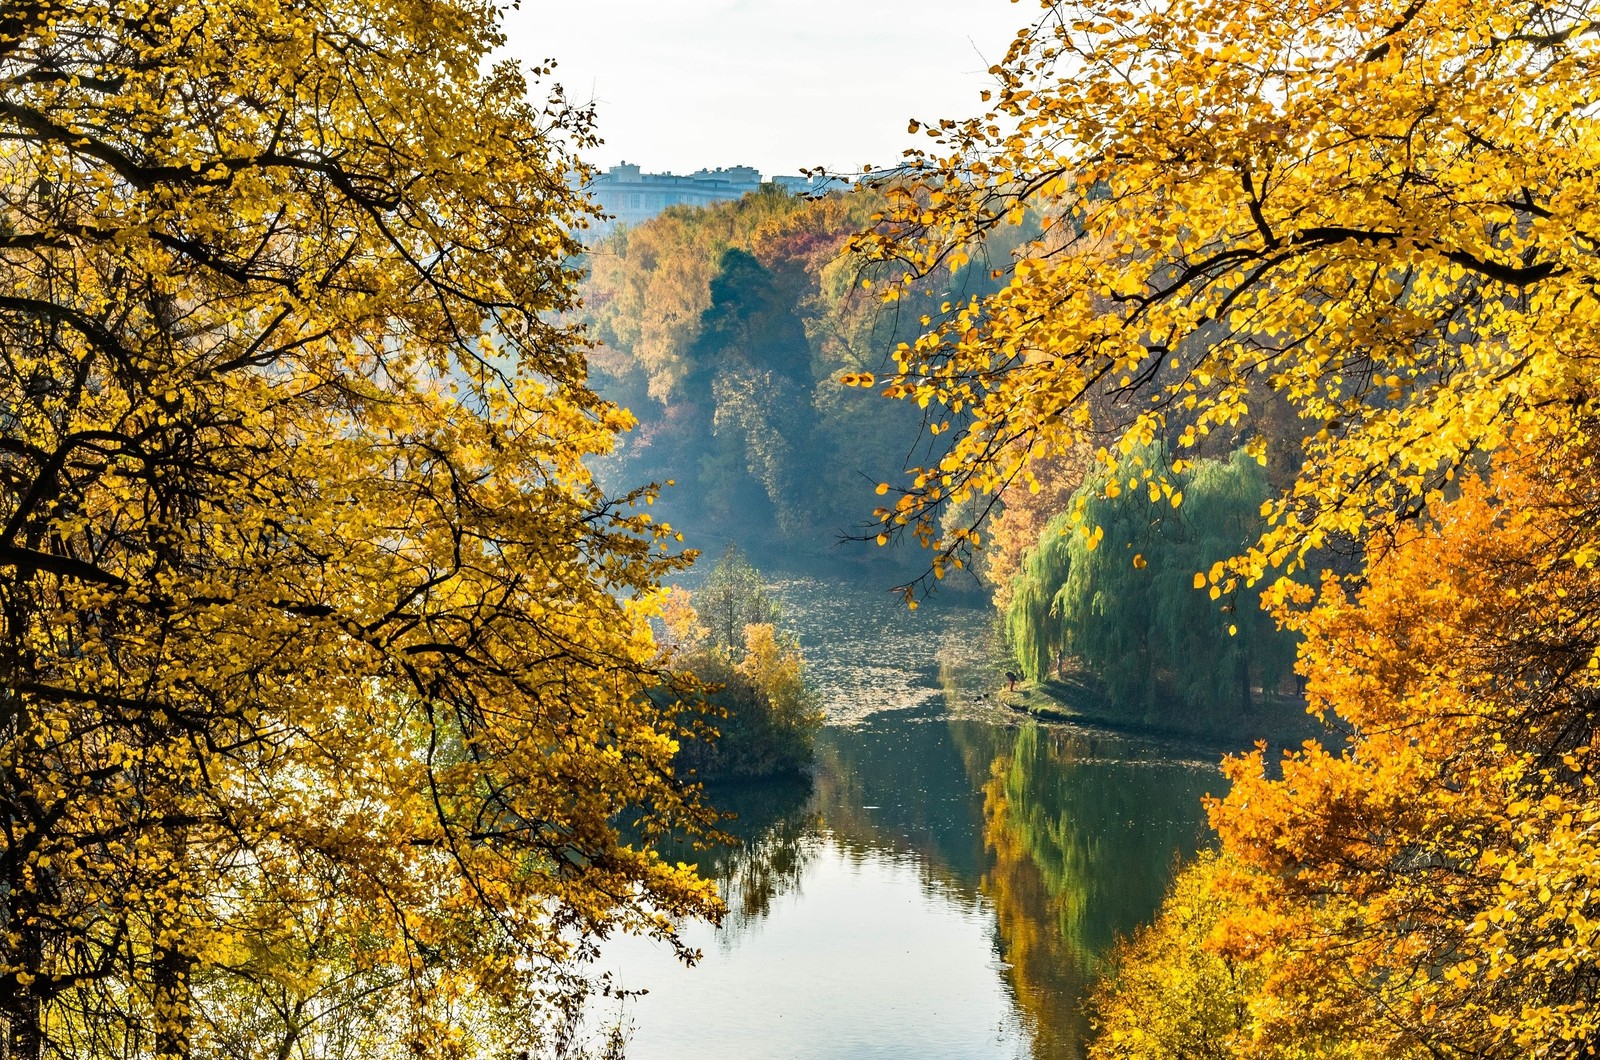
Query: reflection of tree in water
x,y
1045,968
1071,838
1082,849
896,786
774,834
899,784
765,869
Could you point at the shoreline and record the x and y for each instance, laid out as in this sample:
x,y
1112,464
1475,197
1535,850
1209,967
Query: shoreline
x,y
1279,721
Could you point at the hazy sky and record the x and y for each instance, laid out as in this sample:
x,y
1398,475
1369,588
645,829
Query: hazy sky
x,y
776,84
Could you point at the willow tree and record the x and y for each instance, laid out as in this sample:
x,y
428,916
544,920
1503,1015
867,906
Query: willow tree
x,y
1033,615
1219,651
322,656
1111,582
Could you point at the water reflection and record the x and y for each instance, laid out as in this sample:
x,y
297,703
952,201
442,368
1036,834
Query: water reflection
x,y
866,956
1083,832
773,830
945,887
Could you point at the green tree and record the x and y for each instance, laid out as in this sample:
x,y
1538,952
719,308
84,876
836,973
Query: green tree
x,y
752,366
1112,583
1033,624
1219,650
733,597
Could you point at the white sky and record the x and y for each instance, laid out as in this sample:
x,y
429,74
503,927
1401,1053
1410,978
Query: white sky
x,y
775,84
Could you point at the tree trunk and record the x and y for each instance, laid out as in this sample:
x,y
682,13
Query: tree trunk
x,y
24,1038
172,1019
171,966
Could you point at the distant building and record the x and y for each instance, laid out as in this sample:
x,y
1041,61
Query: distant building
x,y
631,196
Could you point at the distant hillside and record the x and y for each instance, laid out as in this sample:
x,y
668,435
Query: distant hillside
x,y
725,329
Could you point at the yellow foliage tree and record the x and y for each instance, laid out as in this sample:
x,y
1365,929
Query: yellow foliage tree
x,y
1169,996
1026,506
321,686
748,676
1179,991
1385,210
773,664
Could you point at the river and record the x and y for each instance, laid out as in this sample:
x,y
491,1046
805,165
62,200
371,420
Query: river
x,y
950,882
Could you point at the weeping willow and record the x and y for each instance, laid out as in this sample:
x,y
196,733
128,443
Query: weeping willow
x,y
1114,588
1032,624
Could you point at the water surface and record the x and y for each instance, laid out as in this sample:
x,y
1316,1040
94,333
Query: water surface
x,y
949,883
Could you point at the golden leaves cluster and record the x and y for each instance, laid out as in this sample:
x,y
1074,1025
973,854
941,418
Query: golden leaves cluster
x,y
1384,212
324,658
1452,846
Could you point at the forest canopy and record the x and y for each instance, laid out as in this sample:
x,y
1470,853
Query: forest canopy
x,y
725,330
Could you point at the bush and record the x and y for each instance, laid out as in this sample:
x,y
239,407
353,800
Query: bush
x,y
764,717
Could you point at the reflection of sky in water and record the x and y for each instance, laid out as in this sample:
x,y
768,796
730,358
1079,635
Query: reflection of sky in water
x,y
863,960
871,907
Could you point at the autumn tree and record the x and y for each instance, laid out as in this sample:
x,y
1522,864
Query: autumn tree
x,y
321,697
764,715
1385,211
1025,508
701,317
1169,995
1178,990
649,286
1448,854
734,596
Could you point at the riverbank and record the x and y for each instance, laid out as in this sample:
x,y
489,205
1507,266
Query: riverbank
x,y
1281,721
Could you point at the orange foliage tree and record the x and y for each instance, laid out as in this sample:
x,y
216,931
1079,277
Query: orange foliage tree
x,y
1449,856
1177,991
